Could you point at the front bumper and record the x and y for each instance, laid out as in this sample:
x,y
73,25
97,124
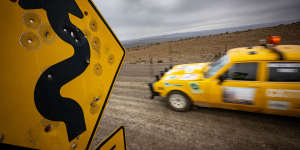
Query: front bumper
x,y
153,93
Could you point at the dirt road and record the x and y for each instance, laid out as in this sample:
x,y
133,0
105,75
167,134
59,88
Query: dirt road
x,y
150,124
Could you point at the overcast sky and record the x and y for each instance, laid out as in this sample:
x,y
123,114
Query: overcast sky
x,y
132,19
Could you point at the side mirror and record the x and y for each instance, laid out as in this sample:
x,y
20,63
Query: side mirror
x,y
222,78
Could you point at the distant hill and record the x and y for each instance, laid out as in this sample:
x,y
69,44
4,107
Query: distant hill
x,y
210,46
179,36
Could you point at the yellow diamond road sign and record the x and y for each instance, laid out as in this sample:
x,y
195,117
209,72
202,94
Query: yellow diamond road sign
x,y
117,141
59,61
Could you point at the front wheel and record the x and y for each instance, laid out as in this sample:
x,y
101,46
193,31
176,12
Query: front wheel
x,y
179,101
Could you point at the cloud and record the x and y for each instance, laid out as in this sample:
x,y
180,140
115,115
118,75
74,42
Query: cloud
x,y
132,19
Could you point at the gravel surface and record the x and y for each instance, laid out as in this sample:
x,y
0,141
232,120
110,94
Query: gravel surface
x,y
150,124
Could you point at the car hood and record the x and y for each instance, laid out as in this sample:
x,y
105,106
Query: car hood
x,y
186,72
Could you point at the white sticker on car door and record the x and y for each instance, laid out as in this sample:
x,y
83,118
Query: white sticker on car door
x,y
239,95
283,93
278,105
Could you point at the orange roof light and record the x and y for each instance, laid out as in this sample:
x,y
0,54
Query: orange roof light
x,y
274,40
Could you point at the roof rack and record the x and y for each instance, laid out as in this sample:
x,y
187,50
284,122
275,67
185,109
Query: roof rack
x,y
270,44
275,50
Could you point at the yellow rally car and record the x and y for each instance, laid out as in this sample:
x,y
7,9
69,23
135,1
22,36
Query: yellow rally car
x,y
263,79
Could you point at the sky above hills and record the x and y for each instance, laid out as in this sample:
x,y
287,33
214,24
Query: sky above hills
x,y
133,19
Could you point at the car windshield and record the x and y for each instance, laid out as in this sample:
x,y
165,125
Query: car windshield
x,y
216,66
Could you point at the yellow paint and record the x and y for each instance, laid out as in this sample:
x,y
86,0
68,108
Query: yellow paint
x,y
211,91
116,141
21,67
291,52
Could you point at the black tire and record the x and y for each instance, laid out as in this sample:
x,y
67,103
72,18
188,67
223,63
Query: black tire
x,y
183,101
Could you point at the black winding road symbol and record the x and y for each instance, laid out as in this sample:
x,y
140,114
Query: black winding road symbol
x,y
48,100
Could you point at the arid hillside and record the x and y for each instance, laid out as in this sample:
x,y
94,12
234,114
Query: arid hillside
x,y
208,48
150,124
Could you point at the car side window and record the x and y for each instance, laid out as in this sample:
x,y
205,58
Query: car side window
x,y
284,71
242,71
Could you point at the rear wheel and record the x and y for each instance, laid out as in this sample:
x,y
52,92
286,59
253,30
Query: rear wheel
x,y
178,101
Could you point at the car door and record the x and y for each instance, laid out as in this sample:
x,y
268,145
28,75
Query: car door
x,y
282,88
240,88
